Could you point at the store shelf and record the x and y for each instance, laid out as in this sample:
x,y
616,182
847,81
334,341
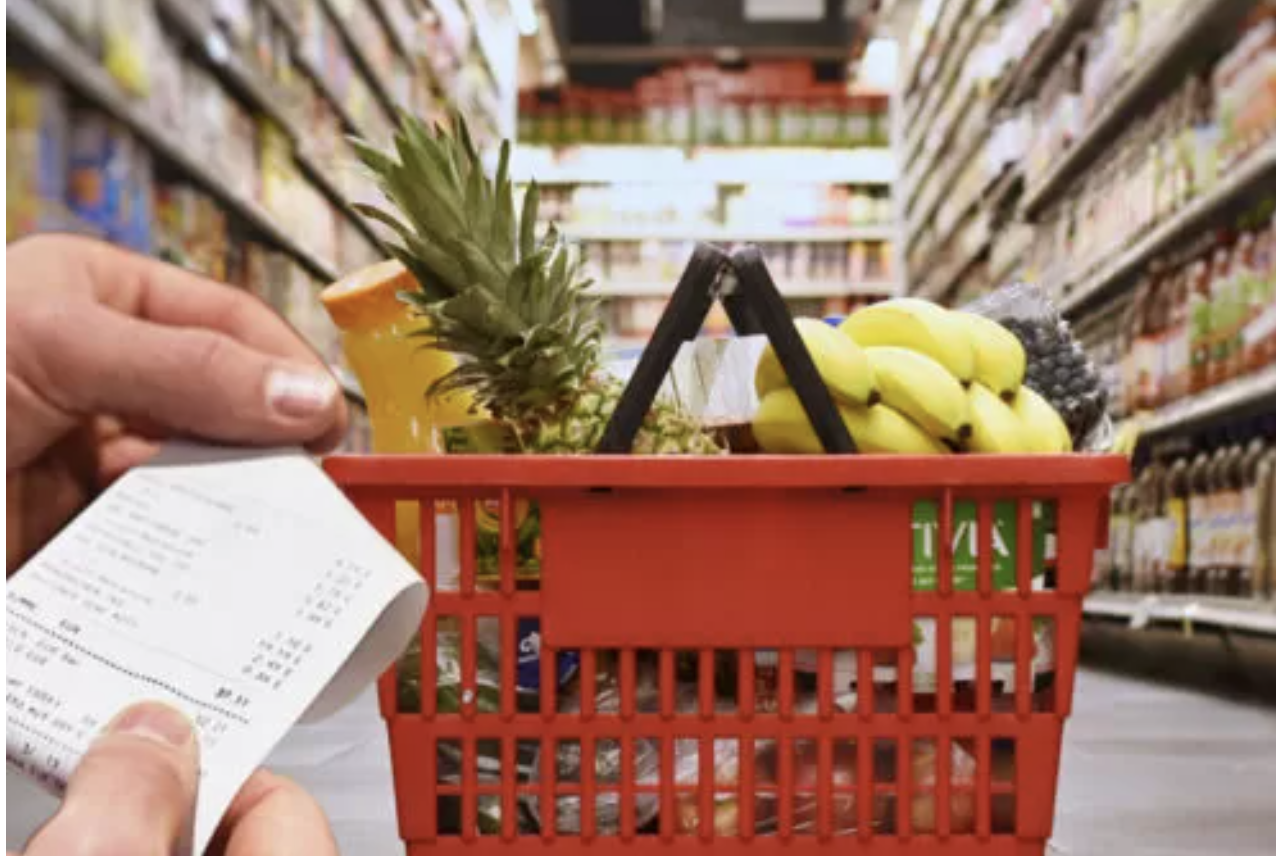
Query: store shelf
x,y
1257,172
30,24
194,22
1021,83
608,164
788,288
328,186
1253,616
1156,71
938,93
724,234
379,87
1251,393
943,23
937,286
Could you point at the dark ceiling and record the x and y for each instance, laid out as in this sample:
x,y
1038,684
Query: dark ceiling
x,y
613,42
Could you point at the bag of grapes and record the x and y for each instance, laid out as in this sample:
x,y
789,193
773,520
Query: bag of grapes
x,y
1058,368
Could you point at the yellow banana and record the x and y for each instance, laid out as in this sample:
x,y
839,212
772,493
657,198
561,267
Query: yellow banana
x,y
996,428
781,427
918,325
840,362
1000,361
1044,430
923,390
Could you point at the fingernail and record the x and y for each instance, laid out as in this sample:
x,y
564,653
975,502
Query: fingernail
x,y
154,721
300,393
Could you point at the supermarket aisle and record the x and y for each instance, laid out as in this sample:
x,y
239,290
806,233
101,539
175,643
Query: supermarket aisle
x,y
1148,771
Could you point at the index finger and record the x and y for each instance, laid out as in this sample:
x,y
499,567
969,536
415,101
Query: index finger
x,y
166,294
273,815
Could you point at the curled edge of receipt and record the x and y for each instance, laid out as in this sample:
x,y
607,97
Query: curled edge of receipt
x,y
240,586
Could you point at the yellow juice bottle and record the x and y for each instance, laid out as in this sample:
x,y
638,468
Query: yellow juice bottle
x,y
395,371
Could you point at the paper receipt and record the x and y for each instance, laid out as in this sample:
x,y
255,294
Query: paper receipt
x,y
241,587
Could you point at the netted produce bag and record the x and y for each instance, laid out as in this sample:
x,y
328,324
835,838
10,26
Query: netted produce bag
x,y
1058,368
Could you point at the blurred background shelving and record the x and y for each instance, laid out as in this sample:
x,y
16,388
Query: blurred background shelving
x,y
1121,155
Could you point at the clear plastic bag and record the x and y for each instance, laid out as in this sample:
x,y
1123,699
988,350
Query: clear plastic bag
x,y
607,761
1058,367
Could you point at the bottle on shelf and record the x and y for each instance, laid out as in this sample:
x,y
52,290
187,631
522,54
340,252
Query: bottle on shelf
x,y
1265,527
1121,538
1221,311
1247,525
1149,529
1199,509
1200,302
1177,495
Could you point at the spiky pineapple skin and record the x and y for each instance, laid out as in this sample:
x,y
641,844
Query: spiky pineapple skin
x,y
665,430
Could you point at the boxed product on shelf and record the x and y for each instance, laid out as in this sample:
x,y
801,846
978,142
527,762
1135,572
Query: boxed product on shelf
x,y
36,156
130,33
108,177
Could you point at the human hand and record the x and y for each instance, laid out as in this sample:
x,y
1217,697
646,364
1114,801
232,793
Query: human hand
x,y
108,352
134,792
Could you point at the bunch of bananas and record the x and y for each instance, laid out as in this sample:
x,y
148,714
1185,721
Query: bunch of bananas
x,y
910,377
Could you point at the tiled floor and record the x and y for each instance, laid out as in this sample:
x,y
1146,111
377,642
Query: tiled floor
x,y
1147,771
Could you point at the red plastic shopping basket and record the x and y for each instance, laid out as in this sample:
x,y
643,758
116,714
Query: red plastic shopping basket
x,y
782,591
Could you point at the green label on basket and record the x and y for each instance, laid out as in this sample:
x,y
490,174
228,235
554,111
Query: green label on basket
x,y
965,545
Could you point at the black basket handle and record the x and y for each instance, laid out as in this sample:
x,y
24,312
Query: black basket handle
x,y
753,304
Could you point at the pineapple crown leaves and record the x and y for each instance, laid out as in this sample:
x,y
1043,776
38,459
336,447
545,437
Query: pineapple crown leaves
x,y
515,309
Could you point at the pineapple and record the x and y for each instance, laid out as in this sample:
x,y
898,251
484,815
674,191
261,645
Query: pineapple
x,y
514,309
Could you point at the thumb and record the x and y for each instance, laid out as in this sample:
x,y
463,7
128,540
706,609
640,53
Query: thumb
x,y
133,791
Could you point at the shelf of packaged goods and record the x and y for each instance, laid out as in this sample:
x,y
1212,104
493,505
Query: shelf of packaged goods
x,y
1021,81
913,77
329,187
940,192
1235,613
197,27
794,289
924,121
725,234
657,164
1256,173
939,282
401,41
349,385
1155,73
1249,394
29,23
361,59
485,36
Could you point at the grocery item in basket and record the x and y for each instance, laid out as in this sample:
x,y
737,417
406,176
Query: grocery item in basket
x,y
1057,367
925,772
1000,361
843,365
607,759
922,390
918,325
781,426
